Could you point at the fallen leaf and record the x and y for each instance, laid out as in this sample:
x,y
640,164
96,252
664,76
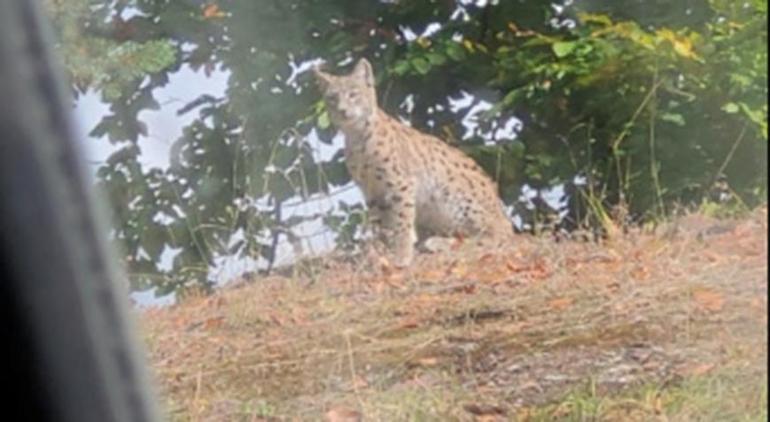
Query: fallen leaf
x,y
695,369
299,316
432,275
212,11
426,362
460,270
702,369
394,279
540,270
359,383
479,409
514,268
560,304
488,257
459,241
216,301
709,299
213,323
489,418
467,289
429,361
385,265
658,405
342,414
408,323
640,273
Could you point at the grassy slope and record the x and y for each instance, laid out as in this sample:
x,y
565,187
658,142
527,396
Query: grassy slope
x,y
671,326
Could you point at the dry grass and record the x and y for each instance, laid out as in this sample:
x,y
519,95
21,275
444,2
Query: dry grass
x,y
667,326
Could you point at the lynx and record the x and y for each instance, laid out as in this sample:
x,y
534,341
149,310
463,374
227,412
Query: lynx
x,y
413,182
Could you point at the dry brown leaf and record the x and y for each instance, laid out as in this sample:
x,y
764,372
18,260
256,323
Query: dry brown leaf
x,y
540,270
709,299
493,276
696,369
486,258
432,275
408,323
394,279
712,256
482,410
560,304
213,11
213,323
702,369
489,418
342,414
359,383
466,288
514,268
459,270
216,301
658,405
277,319
385,265
427,361
640,273
459,241
751,246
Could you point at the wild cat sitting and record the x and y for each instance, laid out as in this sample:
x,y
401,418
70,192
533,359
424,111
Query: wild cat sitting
x,y
412,182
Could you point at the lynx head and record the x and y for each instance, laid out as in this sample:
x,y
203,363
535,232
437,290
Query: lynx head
x,y
350,99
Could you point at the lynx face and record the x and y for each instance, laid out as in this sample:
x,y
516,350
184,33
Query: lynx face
x,y
350,99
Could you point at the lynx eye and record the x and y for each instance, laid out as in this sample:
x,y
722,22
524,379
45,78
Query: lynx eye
x,y
333,99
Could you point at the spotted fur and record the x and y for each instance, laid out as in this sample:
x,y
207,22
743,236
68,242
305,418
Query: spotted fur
x,y
412,182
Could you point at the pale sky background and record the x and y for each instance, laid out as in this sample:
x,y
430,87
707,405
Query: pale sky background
x,y
164,127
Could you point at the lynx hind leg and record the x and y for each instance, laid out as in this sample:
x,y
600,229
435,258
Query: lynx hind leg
x,y
499,236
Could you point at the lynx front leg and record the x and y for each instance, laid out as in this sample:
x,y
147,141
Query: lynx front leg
x,y
374,213
373,226
398,223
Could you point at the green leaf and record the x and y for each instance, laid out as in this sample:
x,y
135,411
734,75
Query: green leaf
x,y
436,59
674,118
401,67
563,48
154,240
455,51
421,65
730,108
323,120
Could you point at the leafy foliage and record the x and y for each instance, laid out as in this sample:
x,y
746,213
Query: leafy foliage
x,y
644,103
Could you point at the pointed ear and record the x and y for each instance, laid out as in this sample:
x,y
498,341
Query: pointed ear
x,y
321,78
363,71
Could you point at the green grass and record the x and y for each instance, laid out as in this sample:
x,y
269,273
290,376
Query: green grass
x,y
723,396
